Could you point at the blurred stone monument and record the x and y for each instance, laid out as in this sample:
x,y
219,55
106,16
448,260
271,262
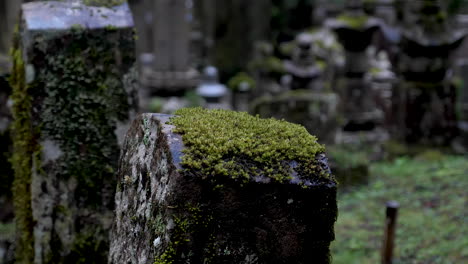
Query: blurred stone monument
x,y
142,11
170,70
426,100
238,26
9,12
205,16
383,80
461,71
216,95
303,67
355,31
267,69
299,95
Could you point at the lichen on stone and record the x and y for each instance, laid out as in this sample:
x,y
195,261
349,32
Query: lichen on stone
x,y
244,147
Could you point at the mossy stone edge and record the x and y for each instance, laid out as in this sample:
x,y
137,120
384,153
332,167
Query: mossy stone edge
x,y
244,147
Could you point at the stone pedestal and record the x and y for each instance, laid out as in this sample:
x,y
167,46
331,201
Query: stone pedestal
x,y
167,213
427,113
74,92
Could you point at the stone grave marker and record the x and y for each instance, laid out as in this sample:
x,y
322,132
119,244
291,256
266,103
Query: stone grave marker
x,y
74,92
252,190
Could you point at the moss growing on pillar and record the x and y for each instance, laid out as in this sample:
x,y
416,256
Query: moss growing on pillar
x,y
81,99
72,93
24,149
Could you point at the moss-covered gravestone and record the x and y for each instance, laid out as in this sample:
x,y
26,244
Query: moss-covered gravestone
x,y
73,91
215,186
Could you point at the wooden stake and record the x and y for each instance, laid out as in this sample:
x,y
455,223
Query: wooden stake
x,y
389,236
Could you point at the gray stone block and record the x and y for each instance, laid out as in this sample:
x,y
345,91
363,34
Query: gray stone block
x,y
166,213
74,92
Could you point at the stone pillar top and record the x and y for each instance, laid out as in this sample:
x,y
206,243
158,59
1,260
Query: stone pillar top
x,y
215,186
55,15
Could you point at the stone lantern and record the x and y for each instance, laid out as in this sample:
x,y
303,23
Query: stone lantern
x,y
427,96
355,31
302,67
214,93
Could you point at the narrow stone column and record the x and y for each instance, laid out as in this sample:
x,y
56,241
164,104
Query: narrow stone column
x,y
74,92
215,186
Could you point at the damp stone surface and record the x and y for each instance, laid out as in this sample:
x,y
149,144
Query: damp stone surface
x,y
74,92
217,186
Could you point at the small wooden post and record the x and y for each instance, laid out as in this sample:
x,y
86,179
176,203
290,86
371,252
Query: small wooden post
x,y
389,236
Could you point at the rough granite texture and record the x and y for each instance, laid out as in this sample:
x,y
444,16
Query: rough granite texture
x,y
74,88
165,214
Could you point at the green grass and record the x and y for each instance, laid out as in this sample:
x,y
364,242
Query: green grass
x,y
432,225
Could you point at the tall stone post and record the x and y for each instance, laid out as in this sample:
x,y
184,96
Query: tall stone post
x,y
251,190
74,92
9,11
171,38
171,72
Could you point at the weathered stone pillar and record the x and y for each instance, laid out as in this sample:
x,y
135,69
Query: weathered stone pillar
x,y
9,11
73,92
142,13
216,186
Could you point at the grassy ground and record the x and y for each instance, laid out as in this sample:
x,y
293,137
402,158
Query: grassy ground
x,y
432,225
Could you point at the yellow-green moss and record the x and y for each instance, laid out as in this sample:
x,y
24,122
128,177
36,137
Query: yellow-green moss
x,y
354,21
24,148
104,3
241,146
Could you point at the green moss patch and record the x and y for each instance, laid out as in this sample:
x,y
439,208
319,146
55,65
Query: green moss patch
x,y
241,146
24,147
82,97
104,3
354,21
